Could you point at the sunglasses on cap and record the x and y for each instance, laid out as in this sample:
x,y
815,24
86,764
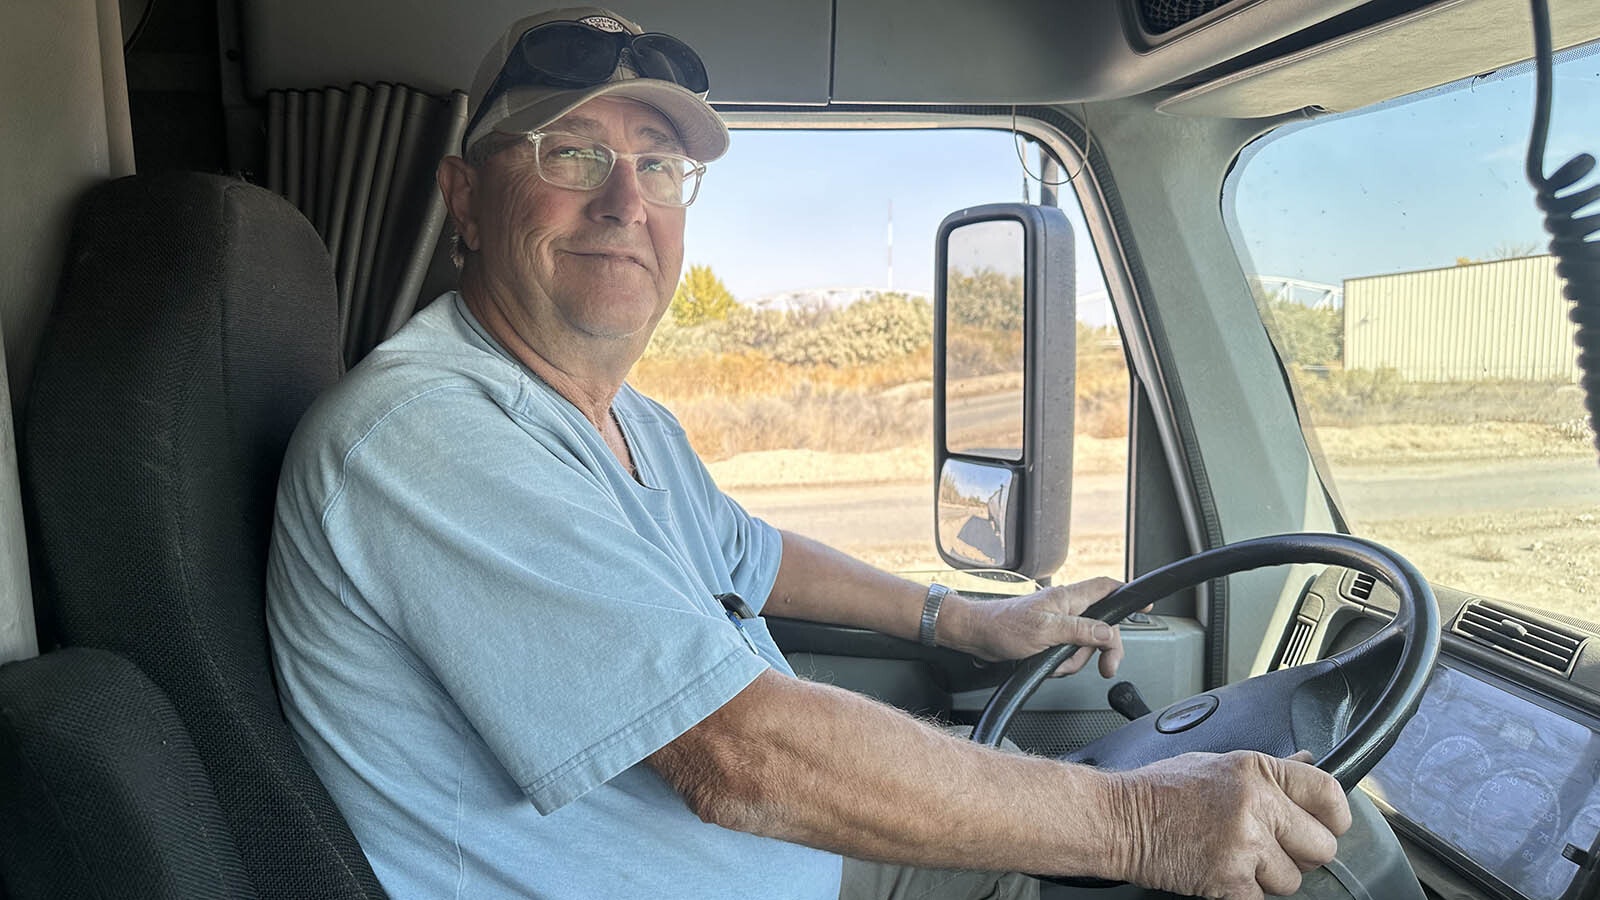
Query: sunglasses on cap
x,y
576,55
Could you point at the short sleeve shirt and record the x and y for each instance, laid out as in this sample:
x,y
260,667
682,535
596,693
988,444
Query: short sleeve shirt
x,y
482,624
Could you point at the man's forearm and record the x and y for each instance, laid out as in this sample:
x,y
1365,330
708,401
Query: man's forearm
x,y
820,766
820,584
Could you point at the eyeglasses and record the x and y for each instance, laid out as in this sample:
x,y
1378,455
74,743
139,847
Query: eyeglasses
x,y
575,55
580,163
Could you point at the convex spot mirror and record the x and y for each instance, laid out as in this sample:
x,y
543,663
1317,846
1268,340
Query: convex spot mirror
x,y
1004,344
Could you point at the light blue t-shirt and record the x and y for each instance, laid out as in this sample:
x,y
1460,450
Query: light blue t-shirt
x,y
482,624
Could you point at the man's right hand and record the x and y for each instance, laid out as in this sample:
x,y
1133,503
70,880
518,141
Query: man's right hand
x,y
1236,825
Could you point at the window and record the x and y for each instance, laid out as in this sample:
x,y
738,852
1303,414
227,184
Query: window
x,y
798,352
1402,270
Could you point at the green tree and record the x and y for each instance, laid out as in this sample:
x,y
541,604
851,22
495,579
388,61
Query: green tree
x,y
701,297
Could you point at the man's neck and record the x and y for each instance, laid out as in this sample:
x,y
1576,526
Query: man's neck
x,y
587,373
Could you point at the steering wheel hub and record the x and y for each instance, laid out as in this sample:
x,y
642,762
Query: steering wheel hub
x,y
1187,714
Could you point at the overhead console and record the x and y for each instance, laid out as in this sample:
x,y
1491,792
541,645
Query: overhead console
x,y
806,53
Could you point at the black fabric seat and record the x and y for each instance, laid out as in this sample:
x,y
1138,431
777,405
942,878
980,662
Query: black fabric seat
x,y
101,792
196,321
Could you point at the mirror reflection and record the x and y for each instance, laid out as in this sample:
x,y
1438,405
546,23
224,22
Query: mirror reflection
x,y
983,340
974,511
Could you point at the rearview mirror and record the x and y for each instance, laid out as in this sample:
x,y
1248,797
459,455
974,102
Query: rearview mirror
x,y
1004,345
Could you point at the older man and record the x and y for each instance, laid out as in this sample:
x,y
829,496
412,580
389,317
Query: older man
x,y
505,595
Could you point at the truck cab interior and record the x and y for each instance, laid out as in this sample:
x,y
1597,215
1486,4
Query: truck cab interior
x,y
212,210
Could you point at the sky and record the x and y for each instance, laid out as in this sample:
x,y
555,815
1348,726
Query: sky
x,y
1411,185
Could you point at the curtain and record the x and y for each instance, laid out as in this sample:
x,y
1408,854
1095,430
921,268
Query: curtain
x,y
359,163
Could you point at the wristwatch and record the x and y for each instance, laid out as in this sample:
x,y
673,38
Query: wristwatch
x,y
930,614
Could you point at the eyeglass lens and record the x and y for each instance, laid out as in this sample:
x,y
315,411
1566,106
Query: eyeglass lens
x,y
578,163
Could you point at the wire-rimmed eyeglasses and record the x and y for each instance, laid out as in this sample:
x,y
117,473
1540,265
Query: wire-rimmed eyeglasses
x,y
581,163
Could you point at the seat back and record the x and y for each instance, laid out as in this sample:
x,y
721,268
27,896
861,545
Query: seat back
x,y
196,321
101,793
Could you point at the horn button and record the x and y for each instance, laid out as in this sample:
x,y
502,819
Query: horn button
x,y
1187,714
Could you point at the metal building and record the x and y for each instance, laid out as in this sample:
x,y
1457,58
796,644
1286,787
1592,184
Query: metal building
x,y
1502,320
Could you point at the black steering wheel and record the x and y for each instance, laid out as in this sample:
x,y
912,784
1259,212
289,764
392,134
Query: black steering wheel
x,y
1308,707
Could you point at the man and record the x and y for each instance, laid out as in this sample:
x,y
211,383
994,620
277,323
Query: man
x,y
505,596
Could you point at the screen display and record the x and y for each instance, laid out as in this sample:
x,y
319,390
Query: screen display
x,y
1506,782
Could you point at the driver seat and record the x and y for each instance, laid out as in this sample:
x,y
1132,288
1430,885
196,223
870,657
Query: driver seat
x,y
196,320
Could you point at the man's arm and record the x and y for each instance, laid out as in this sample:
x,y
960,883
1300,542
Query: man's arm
x,y
820,584
820,766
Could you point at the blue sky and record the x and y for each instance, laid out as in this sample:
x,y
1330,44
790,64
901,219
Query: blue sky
x,y
787,210
1414,185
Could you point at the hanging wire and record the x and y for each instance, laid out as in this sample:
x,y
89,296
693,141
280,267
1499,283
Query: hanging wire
x,y
1569,216
1017,138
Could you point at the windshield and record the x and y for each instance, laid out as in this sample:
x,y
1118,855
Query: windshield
x,y
1400,266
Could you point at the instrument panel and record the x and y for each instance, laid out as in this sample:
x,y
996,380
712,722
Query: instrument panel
x,y
1496,779
1503,781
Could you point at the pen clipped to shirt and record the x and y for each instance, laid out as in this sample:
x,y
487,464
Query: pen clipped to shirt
x,y
737,611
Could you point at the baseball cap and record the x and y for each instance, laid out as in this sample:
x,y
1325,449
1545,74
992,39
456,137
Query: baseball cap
x,y
523,108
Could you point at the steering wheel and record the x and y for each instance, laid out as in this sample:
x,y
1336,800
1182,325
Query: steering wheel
x,y
1307,707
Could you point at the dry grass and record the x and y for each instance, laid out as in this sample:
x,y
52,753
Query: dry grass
x,y
1379,398
748,402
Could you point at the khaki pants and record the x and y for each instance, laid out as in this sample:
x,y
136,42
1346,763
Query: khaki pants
x,y
881,881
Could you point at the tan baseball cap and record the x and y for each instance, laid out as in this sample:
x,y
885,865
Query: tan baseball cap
x,y
524,108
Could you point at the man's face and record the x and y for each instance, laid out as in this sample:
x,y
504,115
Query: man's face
x,y
603,263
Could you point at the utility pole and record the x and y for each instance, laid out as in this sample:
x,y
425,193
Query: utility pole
x,y
890,287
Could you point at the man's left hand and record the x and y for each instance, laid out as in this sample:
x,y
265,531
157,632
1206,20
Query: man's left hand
x,y
1018,627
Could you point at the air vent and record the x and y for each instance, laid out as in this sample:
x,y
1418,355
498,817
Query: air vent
x,y
1518,634
1294,652
1162,16
1361,587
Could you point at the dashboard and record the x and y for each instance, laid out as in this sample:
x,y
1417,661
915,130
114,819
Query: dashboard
x,y
1503,781
1498,774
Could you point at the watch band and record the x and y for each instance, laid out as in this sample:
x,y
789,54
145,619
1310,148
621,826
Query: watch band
x,y
930,614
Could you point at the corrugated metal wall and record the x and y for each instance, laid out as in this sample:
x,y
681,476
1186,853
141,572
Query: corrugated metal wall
x,y
1494,320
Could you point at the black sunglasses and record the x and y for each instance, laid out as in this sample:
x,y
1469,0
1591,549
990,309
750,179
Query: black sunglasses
x,y
575,55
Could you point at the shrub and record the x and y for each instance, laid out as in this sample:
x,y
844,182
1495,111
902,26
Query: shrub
x,y
984,298
1304,336
866,332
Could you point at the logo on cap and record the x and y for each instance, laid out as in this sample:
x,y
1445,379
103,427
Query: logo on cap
x,y
604,23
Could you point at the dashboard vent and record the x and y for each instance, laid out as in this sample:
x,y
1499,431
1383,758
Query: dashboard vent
x,y
1294,651
1361,586
1544,644
1162,16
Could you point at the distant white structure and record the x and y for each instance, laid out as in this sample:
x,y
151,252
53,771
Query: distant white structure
x,y
1314,294
1094,309
821,298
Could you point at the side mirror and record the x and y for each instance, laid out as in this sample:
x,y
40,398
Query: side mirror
x,y
1005,338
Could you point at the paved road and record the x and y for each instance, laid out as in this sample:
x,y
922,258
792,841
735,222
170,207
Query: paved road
x,y
903,513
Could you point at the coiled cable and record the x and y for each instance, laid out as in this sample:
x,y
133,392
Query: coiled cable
x,y
1561,198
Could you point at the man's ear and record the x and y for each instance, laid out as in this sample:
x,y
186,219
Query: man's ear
x,y
457,183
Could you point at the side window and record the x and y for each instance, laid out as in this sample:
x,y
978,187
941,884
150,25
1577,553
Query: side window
x,y
797,352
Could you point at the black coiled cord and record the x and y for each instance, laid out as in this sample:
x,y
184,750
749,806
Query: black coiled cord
x,y
1577,258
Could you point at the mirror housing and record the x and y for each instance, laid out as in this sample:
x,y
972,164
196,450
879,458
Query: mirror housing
x,y
998,505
